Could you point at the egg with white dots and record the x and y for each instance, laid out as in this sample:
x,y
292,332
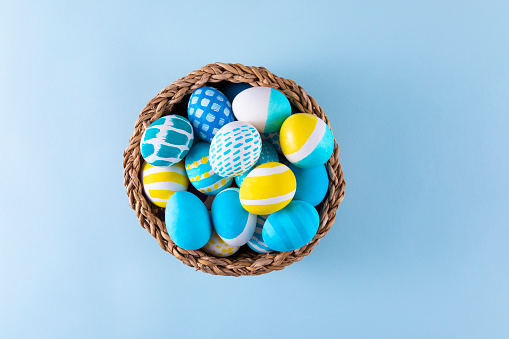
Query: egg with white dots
x,y
267,154
218,248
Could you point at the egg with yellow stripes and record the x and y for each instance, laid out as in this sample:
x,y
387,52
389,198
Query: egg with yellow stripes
x,y
306,140
160,182
200,172
218,248
268,188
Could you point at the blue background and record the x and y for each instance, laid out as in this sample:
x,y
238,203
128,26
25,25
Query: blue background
x,y
417,94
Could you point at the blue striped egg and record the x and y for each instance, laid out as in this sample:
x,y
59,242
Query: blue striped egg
x,y
187,221
231,221
208,110
264,107
292,227
235,149
273,138
200,172
167,140
312,183
268,154
256,242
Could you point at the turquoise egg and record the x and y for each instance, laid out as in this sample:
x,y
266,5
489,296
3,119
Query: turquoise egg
x,y
200,172
312,183
167,140
292,227
187,221
231,221
256,242
268,154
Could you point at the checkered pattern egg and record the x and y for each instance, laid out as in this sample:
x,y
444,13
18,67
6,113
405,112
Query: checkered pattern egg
x,y
200,172
218,248
306,140
292,227
160,182
167,140
268,188
232,223
264,107
268,154
235,149
256,242
208,110
273,138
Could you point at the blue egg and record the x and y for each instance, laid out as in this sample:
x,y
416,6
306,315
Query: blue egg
x,y
231,89
231,221
256,242
273,138
267,154
209,110
187,221
312,183
292,227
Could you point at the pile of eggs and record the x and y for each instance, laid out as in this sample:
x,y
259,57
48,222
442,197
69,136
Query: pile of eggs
x,y
241,169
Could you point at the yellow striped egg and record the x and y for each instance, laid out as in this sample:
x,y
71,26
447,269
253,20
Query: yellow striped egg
x,y
268,188
306,140
160,182
218,248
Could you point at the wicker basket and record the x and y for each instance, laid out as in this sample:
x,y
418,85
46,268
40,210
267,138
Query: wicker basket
x,y
173,100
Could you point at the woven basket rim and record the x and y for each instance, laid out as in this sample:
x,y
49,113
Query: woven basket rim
x,y
151,217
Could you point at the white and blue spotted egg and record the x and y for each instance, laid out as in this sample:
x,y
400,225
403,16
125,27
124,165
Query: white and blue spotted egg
x,y
273,138
235,149
268,154
209,110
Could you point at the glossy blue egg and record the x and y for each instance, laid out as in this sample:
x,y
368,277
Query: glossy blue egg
x,y
312,183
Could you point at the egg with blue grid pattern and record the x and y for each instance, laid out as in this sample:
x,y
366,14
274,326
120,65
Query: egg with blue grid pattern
x,y
268,154
231,221
273,138
292,227
256,242
167,140
200,172
208,110
235,149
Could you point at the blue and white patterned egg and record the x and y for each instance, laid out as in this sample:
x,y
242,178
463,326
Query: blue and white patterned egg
x,y
209,110
268,154
167,140
312,183
256,242
292,227
235,149
200,172
187,221
273,138
231,221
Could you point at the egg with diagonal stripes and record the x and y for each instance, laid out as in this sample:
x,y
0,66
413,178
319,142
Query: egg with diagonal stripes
x,y
256,242
200,172
160,182
292,227
267,188
167,140
306,140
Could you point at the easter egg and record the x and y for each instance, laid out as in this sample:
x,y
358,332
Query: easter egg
x,y
268,154
231,89
312,183
256,242
199,194
200,172
273,138
208,110
167,140
160,182
218,248
268,188
306,140
235,149
264,107
187,221
292,227
232,223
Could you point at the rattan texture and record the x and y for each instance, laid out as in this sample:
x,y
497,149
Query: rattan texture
x,y
173,100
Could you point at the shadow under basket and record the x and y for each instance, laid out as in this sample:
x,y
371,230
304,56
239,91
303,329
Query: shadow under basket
x,y
173,100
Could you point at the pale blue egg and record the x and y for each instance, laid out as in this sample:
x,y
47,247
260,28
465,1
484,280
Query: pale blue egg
x,y
231,221
292,227
268,154
187,221
256,242
312,183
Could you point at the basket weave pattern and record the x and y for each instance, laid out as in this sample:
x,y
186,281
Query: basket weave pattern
x,y
170,101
